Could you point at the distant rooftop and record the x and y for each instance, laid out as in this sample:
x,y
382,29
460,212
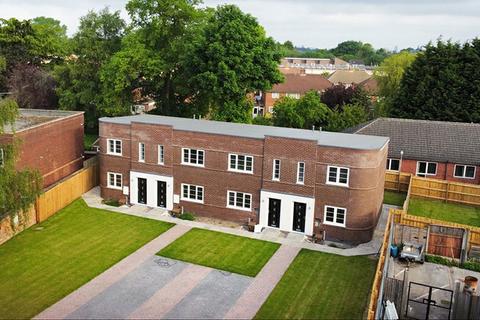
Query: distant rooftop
x,y
348,76
302,83
329,139
30,118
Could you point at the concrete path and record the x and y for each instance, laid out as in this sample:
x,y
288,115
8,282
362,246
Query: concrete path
x,y
257,293
96,286
93,199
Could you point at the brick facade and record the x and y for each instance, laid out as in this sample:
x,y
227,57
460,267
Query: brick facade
x,y
362,198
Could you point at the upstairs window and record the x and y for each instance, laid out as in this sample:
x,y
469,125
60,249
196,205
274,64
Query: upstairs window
x,y
141,152
335,216
239,200
464,171
275,95
240,163
301,172
426,168
338,175
294,95
161,154
114,147
276,170
393,164
193,157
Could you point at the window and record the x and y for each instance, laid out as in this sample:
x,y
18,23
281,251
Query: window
x,y
270,109
239,200
334,216
161,154
275,95
114,147
338,175
2,157
276,170
141,152
393,164
464,171
192,193
301,172
294,95
426,168
241,163
114,180
193,157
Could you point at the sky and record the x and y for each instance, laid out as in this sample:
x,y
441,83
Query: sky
x,y
311,23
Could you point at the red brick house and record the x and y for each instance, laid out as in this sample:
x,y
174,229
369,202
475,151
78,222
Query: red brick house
x,y
433,149
311,182
51,141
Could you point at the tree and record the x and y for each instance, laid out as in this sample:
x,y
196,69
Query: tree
x,y
442,84
18,188
51,38
350,115
389,75
285,114
79,87
232,59
339,95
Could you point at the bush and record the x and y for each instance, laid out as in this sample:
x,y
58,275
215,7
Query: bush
x,y
112,202
472,265
442,260
187,216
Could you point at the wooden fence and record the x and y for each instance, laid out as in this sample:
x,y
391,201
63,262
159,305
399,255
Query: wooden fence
x,y
65,192
397,181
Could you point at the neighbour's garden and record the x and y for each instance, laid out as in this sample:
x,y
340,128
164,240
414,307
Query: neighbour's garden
x,y
394,198
50,260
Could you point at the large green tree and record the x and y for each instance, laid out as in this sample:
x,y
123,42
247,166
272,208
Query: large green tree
x,y
232,59
442,84
79,86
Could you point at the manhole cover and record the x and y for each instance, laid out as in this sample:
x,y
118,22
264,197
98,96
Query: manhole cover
x,y
225,273
164,263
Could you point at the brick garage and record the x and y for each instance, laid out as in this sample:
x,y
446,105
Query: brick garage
x,y
141,136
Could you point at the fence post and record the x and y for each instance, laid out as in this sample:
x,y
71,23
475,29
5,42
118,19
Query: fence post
x,y
446,193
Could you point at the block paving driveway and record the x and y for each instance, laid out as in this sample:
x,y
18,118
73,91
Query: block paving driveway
x,y
146,286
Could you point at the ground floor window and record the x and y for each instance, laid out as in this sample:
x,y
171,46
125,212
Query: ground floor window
x,y
335,216
426,168
114,180
239,200
192,193
464,171
393,164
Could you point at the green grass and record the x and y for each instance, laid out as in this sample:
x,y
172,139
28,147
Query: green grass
x,y
437,209
221,251
394,198
88,140
321,286
39,267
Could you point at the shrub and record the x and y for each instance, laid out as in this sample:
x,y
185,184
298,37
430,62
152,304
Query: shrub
x,y
112,202
187,216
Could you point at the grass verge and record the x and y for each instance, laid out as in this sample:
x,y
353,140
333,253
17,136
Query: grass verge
x,y
394,198
48,261
221,251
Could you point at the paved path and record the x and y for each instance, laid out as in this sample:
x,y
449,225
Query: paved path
x,y
96,286
93,199
257,293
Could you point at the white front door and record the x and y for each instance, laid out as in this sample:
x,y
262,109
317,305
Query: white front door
x,y
151,190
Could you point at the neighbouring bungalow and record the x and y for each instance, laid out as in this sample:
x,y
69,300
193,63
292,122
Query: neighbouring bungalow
x,y
433,149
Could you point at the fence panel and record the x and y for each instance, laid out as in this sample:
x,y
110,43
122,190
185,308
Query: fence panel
x,y
397,181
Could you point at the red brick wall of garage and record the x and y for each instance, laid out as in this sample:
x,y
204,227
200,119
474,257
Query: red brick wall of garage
x,y
54,148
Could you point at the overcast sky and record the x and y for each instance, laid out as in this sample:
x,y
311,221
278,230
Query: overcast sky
x,y
311,23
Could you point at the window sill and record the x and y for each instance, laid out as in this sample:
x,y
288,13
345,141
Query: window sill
x,y
239,208
333,224
337,184
240,171
114,154
190,200
464,178
193,165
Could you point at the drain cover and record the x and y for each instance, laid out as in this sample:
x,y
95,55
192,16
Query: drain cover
x,y
164,263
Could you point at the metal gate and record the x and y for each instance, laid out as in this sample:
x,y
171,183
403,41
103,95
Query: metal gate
x,y
428,302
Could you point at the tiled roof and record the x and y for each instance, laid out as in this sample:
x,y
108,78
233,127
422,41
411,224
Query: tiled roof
x,y
439,141
348,76
370,86
301,83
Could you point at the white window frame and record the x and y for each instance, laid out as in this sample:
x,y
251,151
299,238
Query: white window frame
x,y
235,155
270,109
335,214
302,180
114,152
189,186
161,154
2,157
464,171
115,175
243,208
274,178
275,95
337,183
141,152
389,164
426,168
293,95
189,157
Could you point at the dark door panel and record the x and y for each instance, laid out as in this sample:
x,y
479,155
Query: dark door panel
x,y
142,190
299,212
162,194
274,212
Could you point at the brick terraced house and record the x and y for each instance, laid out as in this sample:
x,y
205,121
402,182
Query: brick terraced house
x,y
50,141
311,182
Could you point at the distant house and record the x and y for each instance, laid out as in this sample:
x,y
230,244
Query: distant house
x,y
370,86
51,141
294,86
349,77
433,149
313,65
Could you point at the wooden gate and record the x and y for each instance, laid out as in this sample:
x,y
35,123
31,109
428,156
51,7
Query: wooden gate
x,y
445,241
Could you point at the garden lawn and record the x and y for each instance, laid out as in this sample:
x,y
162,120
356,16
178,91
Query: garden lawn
x,y
437,209
88,140
394,198
319,285
39,267
221,251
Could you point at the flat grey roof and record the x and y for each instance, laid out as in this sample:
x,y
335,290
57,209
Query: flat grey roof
x,y
29,118
330,139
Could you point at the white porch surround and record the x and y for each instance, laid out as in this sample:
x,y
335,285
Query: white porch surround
x,y
151,189
286,210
